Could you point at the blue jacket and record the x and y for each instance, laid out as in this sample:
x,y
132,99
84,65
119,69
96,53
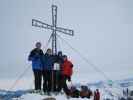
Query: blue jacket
x,y
36,58
48,62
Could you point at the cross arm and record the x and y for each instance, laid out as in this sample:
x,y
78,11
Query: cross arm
x,y
65,31
40,24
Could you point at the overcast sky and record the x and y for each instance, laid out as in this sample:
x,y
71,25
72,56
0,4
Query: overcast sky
x,y
103,33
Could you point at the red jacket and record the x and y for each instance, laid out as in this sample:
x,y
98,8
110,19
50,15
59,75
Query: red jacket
x,y
67,68
96,95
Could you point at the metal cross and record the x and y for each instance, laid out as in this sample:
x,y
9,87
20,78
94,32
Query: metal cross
x,y
53,27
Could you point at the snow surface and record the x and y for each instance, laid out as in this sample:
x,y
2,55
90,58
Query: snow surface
x,y
38,97
20,91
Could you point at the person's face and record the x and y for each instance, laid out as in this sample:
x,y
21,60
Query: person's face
x,y
65,58
59,54
38,45
49,52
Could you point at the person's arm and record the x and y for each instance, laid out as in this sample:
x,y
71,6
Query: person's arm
x,y
33,55
30,57
41,53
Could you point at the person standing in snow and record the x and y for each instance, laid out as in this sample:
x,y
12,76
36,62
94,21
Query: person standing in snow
x,y
97,95
67,70
57,71
48,61
36,56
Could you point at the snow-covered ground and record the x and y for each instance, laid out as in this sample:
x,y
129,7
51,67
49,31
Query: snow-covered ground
x,y
108,89
38,97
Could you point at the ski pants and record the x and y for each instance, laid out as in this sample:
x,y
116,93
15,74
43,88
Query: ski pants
x,y
57,80
47,80
64,84
37,79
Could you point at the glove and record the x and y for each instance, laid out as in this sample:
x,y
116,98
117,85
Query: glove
x,y
69,79
72,66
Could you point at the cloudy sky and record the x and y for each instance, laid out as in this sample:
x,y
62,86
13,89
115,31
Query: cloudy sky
x,y
103,34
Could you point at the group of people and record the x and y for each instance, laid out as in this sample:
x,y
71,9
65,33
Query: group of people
x,y
55,70
84,92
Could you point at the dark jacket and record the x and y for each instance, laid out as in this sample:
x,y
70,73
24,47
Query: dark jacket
x,y
36,56
48,62
59,60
